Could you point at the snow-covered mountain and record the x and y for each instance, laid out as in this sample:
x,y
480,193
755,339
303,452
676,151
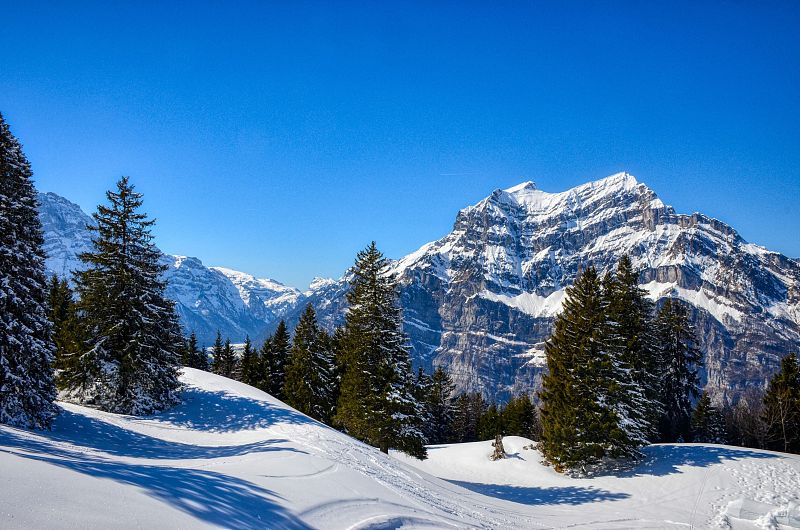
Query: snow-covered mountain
x,y
481,300
207,298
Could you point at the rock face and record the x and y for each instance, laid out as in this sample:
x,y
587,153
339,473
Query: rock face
x,y
207,298
481,300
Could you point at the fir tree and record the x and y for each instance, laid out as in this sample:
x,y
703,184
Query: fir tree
x,y
678,362
217,355
519,417
466,416
66,326
249,363
130,360
194,357
581,414
490,423
781,414
377,399
708,422
27,385
227,361
440,406
309,384
274,356
632,314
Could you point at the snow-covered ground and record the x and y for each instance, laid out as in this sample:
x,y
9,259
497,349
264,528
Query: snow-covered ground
x,y
234,457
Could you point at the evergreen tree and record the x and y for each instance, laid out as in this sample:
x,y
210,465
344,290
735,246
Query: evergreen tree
x,y
631,313
66,326
519,417
781,413
130,360
679,360
377,399
27,385
249,363
217,355
490,423
274,356
227,361
309,385
582,418
708,422
194,357
467,414
440,404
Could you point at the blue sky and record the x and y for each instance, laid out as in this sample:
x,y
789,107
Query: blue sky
x,y
280,138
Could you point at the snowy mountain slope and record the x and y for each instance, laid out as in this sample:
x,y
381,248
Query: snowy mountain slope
x,y
481,300
234,457
207,298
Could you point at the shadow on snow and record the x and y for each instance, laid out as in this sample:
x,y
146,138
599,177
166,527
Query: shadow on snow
x,y
204,410
532,495
660,460
208,496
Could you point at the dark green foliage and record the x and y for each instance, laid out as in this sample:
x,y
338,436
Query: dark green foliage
x,y
27,387
224,358
520,418
377,402
781,413
490,423
249,363
310,383
678,363
466,416
129,362
66,325
192,356
632,314
441,407
274,355
581,413
708,422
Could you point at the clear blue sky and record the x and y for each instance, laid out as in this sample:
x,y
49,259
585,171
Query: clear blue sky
x,y
280,138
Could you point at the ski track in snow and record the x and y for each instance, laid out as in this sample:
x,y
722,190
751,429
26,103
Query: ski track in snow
x,y
203,465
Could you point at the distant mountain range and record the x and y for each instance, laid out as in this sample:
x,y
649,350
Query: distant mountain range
x,y
481,300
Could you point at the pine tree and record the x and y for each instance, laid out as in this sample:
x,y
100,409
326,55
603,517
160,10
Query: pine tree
x,y
194,357
377,400
781,413
249,363
309,384
217,355
66,326
227,361
440,406
27,385
130,360
708,422
581,421
490,423
519,417
679,359
632,314
467,414
274,356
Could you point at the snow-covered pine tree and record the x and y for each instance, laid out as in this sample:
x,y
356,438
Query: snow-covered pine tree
x,y
632,314
781,414
248,363
377,402
679,359
66,327
441,406
581,422
27,386
708,422
309,385
130,359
